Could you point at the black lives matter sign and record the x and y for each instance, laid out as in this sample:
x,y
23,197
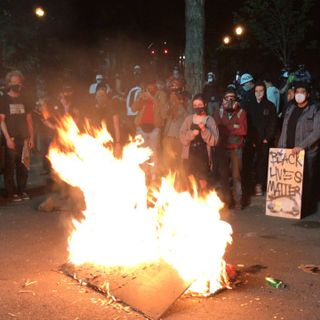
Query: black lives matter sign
x,y
284,188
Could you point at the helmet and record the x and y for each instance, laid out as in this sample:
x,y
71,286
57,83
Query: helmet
x,y
246,77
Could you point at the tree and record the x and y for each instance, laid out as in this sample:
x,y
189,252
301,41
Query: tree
x,y
18,30
194,50
279,25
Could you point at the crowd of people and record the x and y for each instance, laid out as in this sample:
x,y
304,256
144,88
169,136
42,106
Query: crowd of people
x,y
223,142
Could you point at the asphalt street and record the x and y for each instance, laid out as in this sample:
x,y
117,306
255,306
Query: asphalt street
x,y
33,245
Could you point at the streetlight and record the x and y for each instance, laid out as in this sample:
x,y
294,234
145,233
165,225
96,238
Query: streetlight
x,y
226,40
239,30
39,12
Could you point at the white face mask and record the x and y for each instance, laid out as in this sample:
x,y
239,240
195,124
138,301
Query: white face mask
x,y
246,86
300,97
259,95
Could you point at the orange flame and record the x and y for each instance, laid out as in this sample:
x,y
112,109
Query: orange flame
x,y
119,229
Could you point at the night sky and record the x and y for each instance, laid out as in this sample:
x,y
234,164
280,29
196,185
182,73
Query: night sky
x,y
148,20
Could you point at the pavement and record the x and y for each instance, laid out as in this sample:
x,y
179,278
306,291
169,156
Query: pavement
x,y
33,245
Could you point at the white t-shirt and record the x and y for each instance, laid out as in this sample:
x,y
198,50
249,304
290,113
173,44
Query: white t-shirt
x,y
131,97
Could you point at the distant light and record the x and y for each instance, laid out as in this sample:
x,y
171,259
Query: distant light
x,y
165,51
184,57
153,51
239,30
226,40
39,11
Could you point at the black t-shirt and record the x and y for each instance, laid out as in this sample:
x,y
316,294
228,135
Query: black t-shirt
x,y
292,124
15,111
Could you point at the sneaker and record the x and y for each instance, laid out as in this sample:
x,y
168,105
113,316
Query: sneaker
x,y
258,190
16,198
24,196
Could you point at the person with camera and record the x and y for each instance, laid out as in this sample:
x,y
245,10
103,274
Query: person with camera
x,y
198,134
231,120
18,138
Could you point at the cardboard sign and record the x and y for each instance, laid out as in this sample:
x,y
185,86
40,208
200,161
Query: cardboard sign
x,y
284,188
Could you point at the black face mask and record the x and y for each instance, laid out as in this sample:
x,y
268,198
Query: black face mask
x,y
199,111
16,88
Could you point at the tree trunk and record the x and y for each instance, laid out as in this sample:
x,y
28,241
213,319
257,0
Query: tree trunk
x,y
195,23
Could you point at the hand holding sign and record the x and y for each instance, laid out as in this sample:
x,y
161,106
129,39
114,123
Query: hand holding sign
x,y
296,150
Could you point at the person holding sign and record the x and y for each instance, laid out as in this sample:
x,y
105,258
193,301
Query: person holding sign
x,y
301,131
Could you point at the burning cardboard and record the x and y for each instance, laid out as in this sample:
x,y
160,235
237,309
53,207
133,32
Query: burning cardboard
x,y
150,289
119,231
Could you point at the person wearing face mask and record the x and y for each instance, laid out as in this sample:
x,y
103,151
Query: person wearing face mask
x,y
262,124
210,94
93,86
232,124
247,90
301,131
65,104
18,138
175,81
198,134
105,111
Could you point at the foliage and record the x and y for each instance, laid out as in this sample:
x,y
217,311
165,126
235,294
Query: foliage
x,y
279,25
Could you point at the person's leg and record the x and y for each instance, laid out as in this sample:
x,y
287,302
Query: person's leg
x,y
154,143
309,196
236,166
21,170
10,156
223,165
247,177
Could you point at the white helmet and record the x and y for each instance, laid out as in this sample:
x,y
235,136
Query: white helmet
x,y
246,77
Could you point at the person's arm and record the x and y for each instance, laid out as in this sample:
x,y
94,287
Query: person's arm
x,y
138,103
117,136
209,133
186,134
271,126
314,135
4,129
30,130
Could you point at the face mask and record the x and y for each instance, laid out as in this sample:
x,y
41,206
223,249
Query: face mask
x,y
176,74
210,79
229,105
259,95
16,88
99,80
300,97
101,100
199,111
246,87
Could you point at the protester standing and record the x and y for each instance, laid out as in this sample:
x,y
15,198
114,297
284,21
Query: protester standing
x,y
17,129
301,131
198,134
231,120
262,123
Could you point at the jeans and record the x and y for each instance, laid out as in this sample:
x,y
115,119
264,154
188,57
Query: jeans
x,y
151,140
230,159
13,164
